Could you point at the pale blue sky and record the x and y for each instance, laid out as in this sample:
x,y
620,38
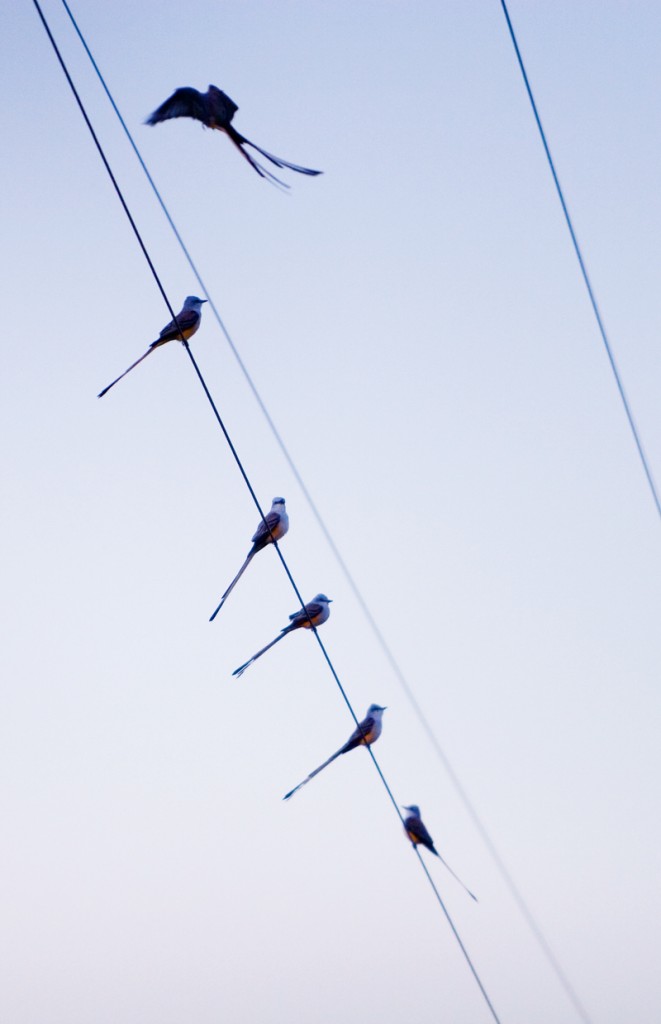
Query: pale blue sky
x,y
417,326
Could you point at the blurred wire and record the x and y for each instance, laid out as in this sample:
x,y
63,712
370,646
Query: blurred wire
x,y
251,489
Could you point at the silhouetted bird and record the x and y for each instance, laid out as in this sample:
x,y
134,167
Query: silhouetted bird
x,y
215,109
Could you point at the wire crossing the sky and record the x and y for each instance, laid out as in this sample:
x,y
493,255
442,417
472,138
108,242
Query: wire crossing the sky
x,y
345,697
249,485
581,262
381,640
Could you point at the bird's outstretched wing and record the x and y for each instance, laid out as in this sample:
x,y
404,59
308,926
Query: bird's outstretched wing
x,y
185,102
221,107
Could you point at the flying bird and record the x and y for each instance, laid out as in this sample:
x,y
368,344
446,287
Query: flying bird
x,y
185,323
312,614
273,527
367,733
415,829
215,109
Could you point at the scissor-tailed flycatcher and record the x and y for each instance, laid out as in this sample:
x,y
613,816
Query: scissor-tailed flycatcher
x,y
273,526
312,614
215,110
185,323
367,733
419,836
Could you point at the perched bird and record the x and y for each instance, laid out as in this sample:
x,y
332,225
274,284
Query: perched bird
x,y
215,109
367,733
185,323
273,526
419,836
312,614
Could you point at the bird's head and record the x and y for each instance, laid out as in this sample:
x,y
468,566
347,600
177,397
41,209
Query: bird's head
x,y
192,302
278,503
376,710
413,808
322,599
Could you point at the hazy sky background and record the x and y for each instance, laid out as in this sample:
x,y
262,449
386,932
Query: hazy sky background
x,y
417,326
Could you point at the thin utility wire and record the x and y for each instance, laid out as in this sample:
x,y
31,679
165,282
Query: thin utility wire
x,y
449,919
329,662
502,869
251,490
581,262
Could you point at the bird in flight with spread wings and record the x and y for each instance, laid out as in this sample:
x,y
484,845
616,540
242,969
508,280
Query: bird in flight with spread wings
x,y
215,109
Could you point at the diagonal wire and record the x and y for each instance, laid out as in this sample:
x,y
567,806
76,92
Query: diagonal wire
x,y
584,273
449,920
381,640
251,489
329,662
620,387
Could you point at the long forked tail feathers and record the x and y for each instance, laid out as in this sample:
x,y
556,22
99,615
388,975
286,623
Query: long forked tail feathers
x,y
239,142
131,367
315,772
234,583
241,669
279,162
454,874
